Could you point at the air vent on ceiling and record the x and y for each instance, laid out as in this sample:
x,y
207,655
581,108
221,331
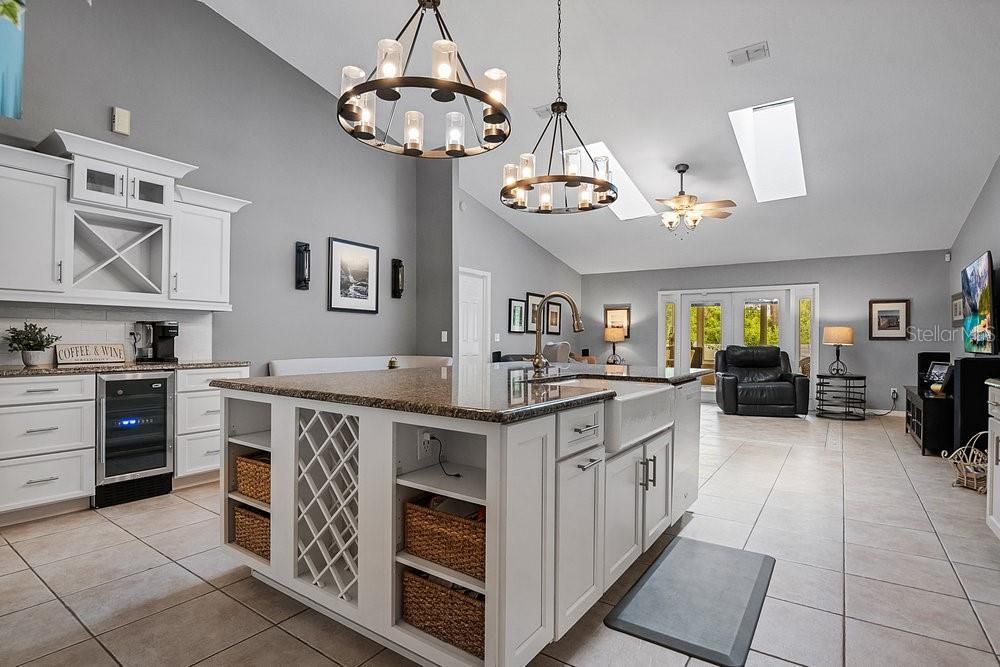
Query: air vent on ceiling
x,y
749,54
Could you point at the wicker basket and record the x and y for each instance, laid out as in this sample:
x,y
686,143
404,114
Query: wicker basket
x,y
446,614
253,531
446,539
970,465
253,476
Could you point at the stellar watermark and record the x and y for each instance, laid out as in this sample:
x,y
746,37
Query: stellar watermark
x,y
939,334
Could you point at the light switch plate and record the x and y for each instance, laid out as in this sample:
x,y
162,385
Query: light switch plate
x,y
444,336
496,338
121,121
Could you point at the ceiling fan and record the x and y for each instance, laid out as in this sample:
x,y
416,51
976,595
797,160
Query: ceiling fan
x,y
686,209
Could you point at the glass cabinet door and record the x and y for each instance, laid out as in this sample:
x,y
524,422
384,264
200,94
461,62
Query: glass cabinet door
x,y
98,182
150,192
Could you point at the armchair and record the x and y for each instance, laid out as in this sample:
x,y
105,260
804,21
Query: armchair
x,y
759,381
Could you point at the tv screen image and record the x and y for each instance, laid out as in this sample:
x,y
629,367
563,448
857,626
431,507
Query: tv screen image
x,y
977,304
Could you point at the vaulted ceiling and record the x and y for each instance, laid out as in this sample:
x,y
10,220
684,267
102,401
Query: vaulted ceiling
x,y
897,108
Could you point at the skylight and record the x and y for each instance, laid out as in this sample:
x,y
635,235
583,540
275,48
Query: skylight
x,y
768,136
631,203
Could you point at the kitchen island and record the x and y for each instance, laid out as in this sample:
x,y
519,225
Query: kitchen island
x,y
354,457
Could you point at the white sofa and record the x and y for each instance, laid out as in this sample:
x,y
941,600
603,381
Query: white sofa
x,y
346,364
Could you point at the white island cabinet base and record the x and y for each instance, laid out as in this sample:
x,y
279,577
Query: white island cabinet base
x,y
518,487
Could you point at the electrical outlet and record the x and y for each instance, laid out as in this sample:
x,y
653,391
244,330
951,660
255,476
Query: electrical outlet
x,y
894,393
424,448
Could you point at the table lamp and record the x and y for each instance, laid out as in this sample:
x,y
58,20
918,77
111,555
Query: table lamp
x,y
614,335
838,337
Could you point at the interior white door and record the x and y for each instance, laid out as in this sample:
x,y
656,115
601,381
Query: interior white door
x,y
657,494
199,254
33,231
622,514
473,316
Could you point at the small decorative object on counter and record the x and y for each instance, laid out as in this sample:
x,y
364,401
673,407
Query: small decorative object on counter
x,y
970,465
90,353
393,362
32,342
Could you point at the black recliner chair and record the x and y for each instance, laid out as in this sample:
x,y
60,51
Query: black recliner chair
x,y
759,381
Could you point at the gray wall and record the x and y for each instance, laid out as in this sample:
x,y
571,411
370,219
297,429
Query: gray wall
x,y
435,202
845,286
517,265
981,232
203,92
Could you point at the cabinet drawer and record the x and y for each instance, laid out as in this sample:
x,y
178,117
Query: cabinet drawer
x,y
48,478
198,452
42,429
579,429
197,379
995,402
198,411
46,389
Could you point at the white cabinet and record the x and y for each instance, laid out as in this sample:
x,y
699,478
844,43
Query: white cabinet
x,y
687,439
33,228
656,499
623,513
198,418
197,452
579,536
152,193
98,182
199,254
49,478
993,467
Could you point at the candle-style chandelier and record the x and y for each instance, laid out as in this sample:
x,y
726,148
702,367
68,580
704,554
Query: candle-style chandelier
x,y
580,191
450,79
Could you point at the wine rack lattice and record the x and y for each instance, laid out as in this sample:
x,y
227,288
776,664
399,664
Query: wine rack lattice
x,y
327,501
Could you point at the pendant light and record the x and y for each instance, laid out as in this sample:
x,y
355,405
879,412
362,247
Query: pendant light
x,y
360,114
581,182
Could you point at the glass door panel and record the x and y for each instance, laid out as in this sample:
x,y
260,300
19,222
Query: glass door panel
x,y
98,182
761,322
805,341
670,335
148,192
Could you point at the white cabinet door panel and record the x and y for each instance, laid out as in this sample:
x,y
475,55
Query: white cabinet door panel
x,y
33,226
687,445
199,254
622,514
198,411
98,182
198,452
26,430
579,536
149,192
47,389
49,478
198,379
657,496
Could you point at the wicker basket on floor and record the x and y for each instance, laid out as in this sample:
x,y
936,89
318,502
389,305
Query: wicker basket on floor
x,y
253,531
446,539
253,476
970,465
446,614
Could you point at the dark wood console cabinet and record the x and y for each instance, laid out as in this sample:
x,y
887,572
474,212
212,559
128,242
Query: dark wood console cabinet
x,y
929,420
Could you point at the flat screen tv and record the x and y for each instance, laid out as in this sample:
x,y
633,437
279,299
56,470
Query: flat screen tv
x,y
978,330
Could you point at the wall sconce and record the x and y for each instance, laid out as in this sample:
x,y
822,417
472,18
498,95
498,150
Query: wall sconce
x,y
397,279
302,265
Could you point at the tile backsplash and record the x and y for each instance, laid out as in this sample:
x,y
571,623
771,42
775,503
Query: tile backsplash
x,y
99,324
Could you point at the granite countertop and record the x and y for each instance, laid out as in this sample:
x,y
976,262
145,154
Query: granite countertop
x,y
502,393
87,369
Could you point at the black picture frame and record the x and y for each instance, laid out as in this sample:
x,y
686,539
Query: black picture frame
x,y
512,325
550,310
613,318
957,310
531,299
894,329
339,300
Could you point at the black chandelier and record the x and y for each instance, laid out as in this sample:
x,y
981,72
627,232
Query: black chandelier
x,y
356,108
592,191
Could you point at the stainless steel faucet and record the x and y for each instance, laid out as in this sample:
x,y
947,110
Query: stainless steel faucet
x,y
538,361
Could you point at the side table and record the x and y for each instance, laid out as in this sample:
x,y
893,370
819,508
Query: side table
x,y
841,397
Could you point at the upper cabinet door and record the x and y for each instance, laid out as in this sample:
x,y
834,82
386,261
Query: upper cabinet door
x,y
199,254
33,231
99,182
148,192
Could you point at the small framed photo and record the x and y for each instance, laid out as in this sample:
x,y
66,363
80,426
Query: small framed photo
x,y
619,316
888,319
553,319
515,315
352,276
517,379
532,300
957,310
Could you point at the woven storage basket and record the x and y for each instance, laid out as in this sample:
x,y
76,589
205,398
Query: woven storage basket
x,y
253,531
253,476
443,613
446,539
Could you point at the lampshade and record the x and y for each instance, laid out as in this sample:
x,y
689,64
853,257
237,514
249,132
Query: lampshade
x,y
838,336
614,335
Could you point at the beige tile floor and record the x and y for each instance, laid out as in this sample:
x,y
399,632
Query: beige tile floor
x,y
880,562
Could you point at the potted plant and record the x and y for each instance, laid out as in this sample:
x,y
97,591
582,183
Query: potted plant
x,y
32,341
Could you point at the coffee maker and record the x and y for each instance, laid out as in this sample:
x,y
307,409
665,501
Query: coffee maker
x,y
153,341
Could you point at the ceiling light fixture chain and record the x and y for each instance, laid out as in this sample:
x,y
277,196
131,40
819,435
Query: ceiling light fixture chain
x,y
559,51
449,78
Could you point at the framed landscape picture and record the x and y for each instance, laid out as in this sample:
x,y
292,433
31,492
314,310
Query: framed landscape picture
x,y
957,310
353,277
515,315
532,300
553,319
619,316
888,319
